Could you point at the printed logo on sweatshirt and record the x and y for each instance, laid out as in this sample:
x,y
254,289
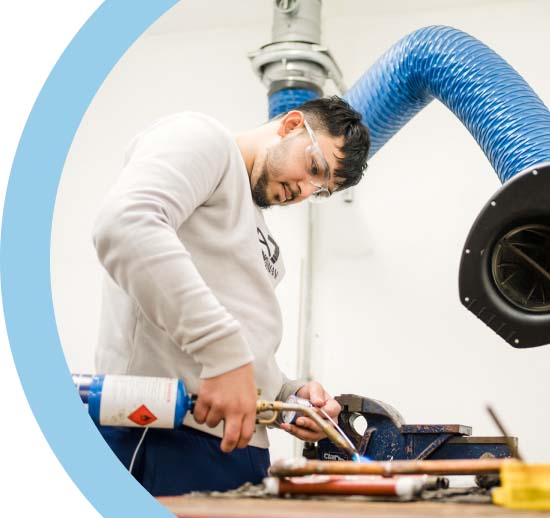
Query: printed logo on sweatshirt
x,y
270,253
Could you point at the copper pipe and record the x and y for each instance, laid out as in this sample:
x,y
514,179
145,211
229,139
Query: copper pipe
x,y
403,487
301,467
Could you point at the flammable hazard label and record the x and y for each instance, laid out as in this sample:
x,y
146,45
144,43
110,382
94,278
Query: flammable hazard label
x,y
138,401
142,416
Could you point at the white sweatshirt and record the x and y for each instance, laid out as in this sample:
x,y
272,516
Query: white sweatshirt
x,y
192,265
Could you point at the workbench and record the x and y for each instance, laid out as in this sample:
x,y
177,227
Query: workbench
x,y
202,507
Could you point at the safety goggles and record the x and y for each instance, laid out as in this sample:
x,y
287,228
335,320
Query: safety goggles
x,y
318,168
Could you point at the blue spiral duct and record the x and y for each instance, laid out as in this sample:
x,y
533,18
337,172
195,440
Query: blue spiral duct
x,y
508,120
289,99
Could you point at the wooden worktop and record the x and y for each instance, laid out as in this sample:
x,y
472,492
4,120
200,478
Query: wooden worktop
x,y
202,507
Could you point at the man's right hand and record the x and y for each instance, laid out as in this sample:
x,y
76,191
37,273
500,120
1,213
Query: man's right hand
x,y
230,397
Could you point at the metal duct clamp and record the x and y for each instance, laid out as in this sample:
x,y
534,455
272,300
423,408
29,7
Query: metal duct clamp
x,y
504,276
295,65
295,58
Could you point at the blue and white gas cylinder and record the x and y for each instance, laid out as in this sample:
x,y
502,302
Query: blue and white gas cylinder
x,y
134,401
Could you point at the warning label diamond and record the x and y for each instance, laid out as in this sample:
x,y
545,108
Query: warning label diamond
x,y
142,416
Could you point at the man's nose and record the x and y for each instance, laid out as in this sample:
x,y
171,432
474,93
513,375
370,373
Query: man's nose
x,y
306,189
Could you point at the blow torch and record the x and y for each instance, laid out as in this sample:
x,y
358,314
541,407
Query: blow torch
x,y
140,401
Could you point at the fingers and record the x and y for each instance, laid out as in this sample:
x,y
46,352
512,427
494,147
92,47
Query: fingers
x,y
306,428
200,411
308,423
302,433
247,430
238,431
231,434
317,394
332,408
206,413
214,417
229,397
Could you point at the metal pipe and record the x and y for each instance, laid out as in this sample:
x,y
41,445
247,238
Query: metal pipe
x,y
402,487
301,467
294,65
296,20
306,302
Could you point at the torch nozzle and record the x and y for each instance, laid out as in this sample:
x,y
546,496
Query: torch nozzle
x,y
329,427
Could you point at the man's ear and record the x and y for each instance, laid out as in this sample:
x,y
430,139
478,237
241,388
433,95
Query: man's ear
x,y
293,120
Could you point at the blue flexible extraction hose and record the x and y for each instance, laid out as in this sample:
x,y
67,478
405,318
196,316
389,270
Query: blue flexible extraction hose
x,y
289,99
506,117
511,125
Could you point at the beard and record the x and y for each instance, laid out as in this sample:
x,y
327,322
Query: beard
x,y
259,191
275,156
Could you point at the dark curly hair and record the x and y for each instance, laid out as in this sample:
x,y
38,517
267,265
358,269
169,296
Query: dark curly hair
x,y
337,118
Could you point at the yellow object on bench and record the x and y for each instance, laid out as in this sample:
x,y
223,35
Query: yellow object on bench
x,y
523,486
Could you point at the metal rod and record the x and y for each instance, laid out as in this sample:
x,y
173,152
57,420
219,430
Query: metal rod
x,y
301,467
306,302
514,450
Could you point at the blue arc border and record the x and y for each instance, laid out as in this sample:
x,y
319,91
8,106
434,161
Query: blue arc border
x,y
25,256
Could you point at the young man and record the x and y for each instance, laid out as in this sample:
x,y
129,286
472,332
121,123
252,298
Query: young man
x,y
192,274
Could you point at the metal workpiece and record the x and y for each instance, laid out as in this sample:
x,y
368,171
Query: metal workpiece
x,y
388,437
504,276
302,467
400,488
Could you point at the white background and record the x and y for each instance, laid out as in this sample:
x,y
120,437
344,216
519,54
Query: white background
x,y
33,34
387,319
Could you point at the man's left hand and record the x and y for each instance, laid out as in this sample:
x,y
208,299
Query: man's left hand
x,y
305,428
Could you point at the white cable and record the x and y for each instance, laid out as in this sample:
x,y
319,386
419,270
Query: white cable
x,y
339,430
136,450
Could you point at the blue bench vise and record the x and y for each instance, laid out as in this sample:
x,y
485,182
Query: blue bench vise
x,y
387,437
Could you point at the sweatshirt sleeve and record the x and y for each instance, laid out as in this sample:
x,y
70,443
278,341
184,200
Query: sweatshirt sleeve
x,y
171,169
289,388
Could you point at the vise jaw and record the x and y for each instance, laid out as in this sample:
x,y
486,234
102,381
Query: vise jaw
x,y
387,437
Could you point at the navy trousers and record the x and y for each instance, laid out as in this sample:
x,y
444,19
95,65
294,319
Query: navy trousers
x,y
173,462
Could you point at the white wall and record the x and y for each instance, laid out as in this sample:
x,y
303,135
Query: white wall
x,y
387,319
